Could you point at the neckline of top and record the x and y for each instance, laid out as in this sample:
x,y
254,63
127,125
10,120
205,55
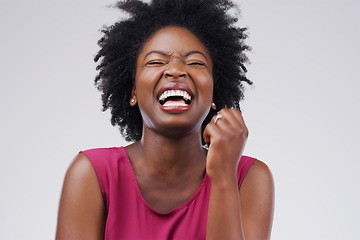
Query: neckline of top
x,y
182,206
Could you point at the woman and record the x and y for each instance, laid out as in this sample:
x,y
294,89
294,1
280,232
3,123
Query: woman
x,y
171,75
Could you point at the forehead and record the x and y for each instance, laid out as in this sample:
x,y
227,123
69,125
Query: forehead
x,y
174,39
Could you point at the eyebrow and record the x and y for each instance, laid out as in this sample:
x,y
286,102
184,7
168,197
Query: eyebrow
x,y
167,53
195,52
157,52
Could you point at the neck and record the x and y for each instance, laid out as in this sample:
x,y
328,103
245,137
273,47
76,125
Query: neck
x,y
168,155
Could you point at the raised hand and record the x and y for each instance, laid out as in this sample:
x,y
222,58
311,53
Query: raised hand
x,y
227,135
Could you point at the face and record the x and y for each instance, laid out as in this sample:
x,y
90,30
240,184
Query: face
x,y
174,83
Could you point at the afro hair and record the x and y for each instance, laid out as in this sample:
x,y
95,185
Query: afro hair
x,y
122,42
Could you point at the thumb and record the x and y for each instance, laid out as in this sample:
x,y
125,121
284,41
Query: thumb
x,y
206,134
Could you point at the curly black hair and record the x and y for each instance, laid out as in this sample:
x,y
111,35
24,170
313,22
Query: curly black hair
x,y
122,42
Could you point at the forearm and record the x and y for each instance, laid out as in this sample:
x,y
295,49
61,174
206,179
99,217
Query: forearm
x,y
224,214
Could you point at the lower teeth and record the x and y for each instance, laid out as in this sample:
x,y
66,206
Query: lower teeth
x,y
167,104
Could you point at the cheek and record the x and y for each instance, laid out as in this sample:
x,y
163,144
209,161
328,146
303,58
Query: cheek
x,y
145,83
207,85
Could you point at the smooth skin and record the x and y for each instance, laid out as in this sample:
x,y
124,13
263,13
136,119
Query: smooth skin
x,y
169,161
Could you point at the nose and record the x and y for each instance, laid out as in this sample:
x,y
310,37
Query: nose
x,y
175,70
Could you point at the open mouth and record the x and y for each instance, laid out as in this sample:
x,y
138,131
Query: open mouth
x,y
174,98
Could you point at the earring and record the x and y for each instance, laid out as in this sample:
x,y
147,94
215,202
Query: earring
x,y
213,106
132,102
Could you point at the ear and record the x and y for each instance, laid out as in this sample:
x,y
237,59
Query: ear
x,y
133,99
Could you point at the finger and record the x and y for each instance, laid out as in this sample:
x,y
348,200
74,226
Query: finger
x,y
233,116
235,122
230,117
211,130
218,118
221,122
239,115
206,135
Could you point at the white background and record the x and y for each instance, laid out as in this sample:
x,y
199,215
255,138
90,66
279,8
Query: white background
x,y
303,111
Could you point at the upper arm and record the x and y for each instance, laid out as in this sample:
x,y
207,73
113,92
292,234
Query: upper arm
x,y
257,202
82,210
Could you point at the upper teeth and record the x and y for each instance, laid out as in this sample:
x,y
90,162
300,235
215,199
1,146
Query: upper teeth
x,y
174,93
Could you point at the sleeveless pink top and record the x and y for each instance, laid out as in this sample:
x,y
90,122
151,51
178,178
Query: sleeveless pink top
x,y
129,217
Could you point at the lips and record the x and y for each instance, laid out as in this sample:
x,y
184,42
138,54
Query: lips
x,y
175,97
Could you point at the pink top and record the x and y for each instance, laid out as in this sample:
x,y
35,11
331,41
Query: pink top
x,y
130,217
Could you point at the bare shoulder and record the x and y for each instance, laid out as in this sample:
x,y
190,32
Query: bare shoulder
x,y
258,183
81,178
80,169
81,211
257,201
259,174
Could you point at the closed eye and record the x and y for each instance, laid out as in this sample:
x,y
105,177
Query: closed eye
x,y
196,64
155,63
